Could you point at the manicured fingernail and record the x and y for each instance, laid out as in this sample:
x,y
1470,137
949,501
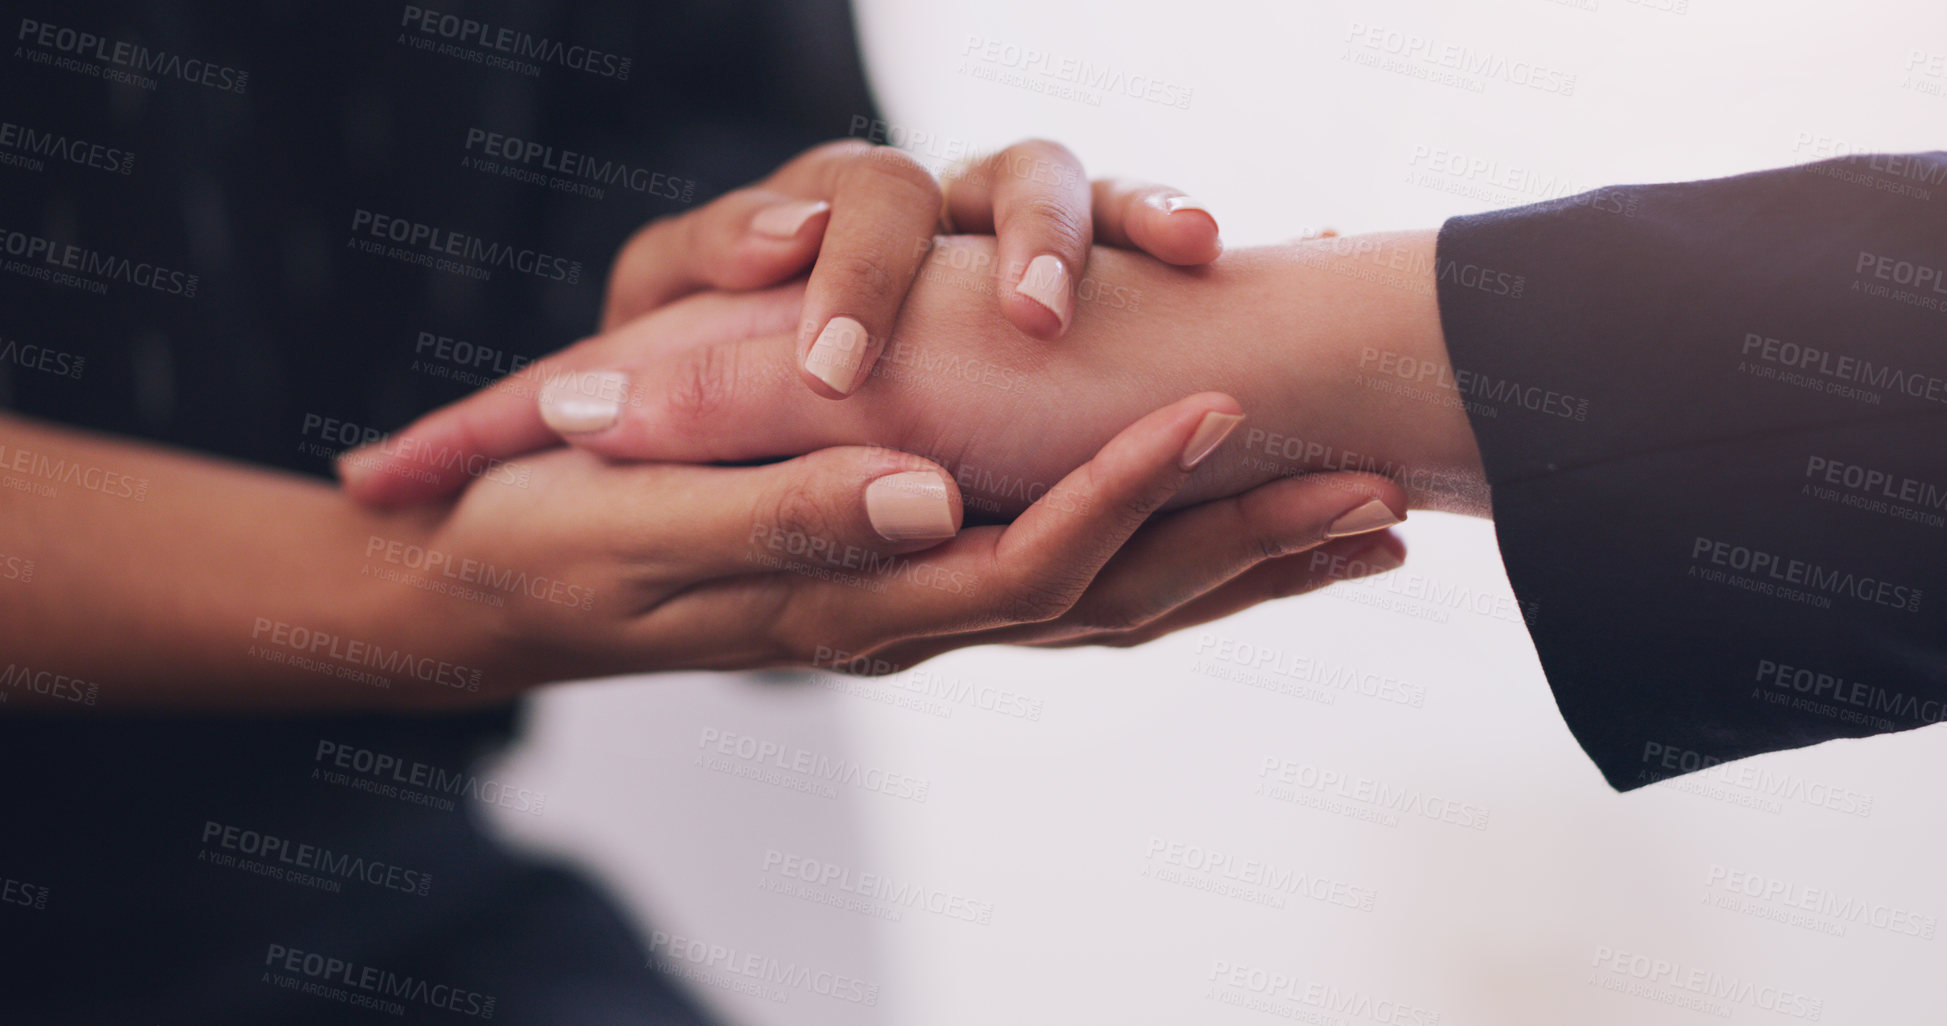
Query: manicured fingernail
x,y
1372,516
909,506
1176,203
785,220
835,358
577,403
1208,436
1046,282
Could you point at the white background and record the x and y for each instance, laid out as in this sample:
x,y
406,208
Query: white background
x,y
1052,822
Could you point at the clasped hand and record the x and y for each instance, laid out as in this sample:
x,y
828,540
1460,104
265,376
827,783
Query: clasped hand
x,y
1033,470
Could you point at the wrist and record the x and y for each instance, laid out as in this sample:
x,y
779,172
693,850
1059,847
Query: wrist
x,y
1351,368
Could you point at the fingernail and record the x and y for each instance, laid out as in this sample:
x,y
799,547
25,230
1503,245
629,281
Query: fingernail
x,y
1176,203
784,220
582,402
353,466
1209,435
1371,516
1046,282
909,506
835,358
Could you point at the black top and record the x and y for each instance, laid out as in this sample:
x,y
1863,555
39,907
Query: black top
x,y
1714,416
217,167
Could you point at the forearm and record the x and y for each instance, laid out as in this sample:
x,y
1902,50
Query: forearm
x,y
166,580
1335,348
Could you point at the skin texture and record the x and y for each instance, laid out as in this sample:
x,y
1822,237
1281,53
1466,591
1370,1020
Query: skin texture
x,y
224,586
1302,335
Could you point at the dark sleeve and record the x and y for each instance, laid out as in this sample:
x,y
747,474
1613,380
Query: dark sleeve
x,y
1714,416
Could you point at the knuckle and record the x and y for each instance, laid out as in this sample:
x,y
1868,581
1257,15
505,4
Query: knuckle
x,y
1062,223
887,164
865,276
701,391
799,513
1038,600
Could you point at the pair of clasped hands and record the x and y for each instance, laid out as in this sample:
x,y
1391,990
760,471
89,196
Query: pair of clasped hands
x,y
762,468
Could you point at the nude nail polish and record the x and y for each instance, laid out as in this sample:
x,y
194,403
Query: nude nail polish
x,y
909,506
785,220
835,358
1046,282
577,403
1371,516
1210,434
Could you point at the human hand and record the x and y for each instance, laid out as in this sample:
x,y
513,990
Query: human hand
x,y
861,218
1300,334
842,558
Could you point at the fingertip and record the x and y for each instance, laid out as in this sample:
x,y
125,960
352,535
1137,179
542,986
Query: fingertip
x,y
1044,297
1180,230
1033,318
788,221
839,358
914,506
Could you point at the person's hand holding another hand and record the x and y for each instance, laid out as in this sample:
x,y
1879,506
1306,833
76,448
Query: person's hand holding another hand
x,y
862,217
848,558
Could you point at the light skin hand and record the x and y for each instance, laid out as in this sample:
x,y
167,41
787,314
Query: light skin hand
x,y
1301,334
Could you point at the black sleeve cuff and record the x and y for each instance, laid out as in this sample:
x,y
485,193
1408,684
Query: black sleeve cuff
x,y
1714,416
